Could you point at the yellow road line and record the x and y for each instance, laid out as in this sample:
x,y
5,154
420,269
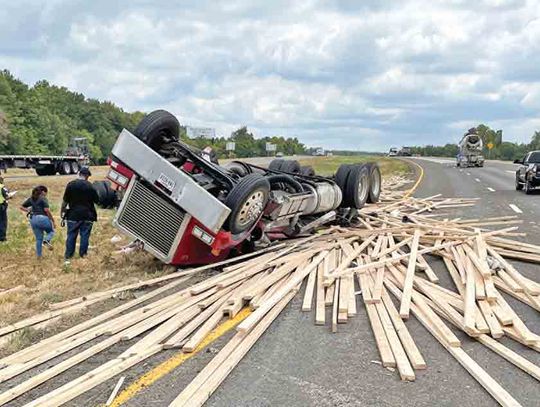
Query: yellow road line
x,y
172,363
418,181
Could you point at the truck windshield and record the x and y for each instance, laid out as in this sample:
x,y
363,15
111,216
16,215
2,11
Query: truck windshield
x,y
534,157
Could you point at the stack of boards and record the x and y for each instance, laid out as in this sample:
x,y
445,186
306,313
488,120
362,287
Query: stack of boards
x,y
382,264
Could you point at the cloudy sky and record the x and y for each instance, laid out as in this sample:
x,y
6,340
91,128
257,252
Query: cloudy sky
x,y
358,74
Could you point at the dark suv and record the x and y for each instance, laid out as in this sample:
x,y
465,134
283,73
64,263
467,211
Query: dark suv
x,y
528,173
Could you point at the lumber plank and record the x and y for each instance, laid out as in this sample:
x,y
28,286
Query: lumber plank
x,y
409,277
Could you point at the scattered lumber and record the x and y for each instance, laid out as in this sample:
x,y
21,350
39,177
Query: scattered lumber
x,y
386,255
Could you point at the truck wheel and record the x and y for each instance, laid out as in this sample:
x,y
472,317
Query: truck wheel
x,y
50,170
519,185
375,181
74,167
357,188
307,170
65,168
41,171
290,166
107,196
275,165
247,201
156,128
341,177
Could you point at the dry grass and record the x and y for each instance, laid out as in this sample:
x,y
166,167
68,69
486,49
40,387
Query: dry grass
x,y
47,280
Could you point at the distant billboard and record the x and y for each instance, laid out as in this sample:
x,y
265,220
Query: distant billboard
x,y
200,132
270,147
230,146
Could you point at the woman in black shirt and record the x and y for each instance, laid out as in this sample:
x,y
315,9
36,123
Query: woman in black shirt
x,y
41,219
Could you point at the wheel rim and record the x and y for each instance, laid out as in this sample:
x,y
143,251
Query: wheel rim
x,y
251,209
376,183
67,168
363,189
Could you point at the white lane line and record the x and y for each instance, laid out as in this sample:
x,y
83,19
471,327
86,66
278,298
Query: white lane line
x,y
468,173
477,180
511,172
515,208
490,189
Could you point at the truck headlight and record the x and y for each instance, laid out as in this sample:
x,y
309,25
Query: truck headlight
x,y
118,178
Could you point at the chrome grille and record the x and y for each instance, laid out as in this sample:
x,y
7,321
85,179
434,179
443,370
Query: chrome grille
x,y
151,218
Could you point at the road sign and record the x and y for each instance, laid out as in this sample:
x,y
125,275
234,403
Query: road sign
x,y
230,146
200,132
270,147
490,145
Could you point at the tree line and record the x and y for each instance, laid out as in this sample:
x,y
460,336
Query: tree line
x,y
43,118
500,150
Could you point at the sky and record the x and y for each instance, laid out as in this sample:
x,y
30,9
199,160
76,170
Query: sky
x,y
359,75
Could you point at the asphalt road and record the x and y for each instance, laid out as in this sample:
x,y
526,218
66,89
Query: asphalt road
x,y
296,363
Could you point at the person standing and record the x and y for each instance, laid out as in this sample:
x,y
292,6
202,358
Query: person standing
x,y
41,219
79,211
4,197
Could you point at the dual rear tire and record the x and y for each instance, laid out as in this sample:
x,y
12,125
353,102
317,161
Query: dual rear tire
x,y
360,184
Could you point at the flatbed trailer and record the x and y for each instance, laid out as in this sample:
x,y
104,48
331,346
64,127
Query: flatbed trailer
x,y
44,164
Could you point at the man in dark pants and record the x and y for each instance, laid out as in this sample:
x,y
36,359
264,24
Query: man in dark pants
x,y
4,196
79,211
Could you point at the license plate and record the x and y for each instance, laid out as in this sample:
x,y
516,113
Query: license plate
x,y
167,182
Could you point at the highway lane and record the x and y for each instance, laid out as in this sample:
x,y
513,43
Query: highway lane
x,y
296,363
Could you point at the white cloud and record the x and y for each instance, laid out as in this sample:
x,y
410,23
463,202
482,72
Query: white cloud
x,y
363,75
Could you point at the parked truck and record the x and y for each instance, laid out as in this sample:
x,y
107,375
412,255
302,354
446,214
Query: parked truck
x,y
185,209
470,150
76,156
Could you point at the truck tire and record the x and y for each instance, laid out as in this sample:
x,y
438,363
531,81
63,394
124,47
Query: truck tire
x,y
107,196
375,182
65,168
341,180
275,165
307,170
156,128
290,166
357,188
50,169
41,171
74,167
247,201
519,185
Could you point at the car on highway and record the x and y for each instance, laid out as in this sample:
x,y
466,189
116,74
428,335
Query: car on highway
x,y
393,152
528,173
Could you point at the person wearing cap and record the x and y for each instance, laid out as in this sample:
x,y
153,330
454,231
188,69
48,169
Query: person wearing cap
x,y
4,197
79,211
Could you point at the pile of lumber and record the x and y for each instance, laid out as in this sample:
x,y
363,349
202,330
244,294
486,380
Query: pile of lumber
x,y
383,263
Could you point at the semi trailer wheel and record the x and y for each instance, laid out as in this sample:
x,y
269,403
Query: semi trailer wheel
x,y
156,128
50,169
107,196
375,181
307,170
74,167
275,165
357,188
65,168
247,201
41,171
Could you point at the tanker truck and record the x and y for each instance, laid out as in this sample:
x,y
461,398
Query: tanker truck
x,y
470,150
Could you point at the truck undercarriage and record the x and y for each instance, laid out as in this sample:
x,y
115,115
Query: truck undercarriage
x,y
185,208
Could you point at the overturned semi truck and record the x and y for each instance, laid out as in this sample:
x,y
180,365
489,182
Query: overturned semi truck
x,y
185,208
470,150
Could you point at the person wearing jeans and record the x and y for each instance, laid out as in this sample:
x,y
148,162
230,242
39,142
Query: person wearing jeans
x,y
42,225
79,211
75,228
41,220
